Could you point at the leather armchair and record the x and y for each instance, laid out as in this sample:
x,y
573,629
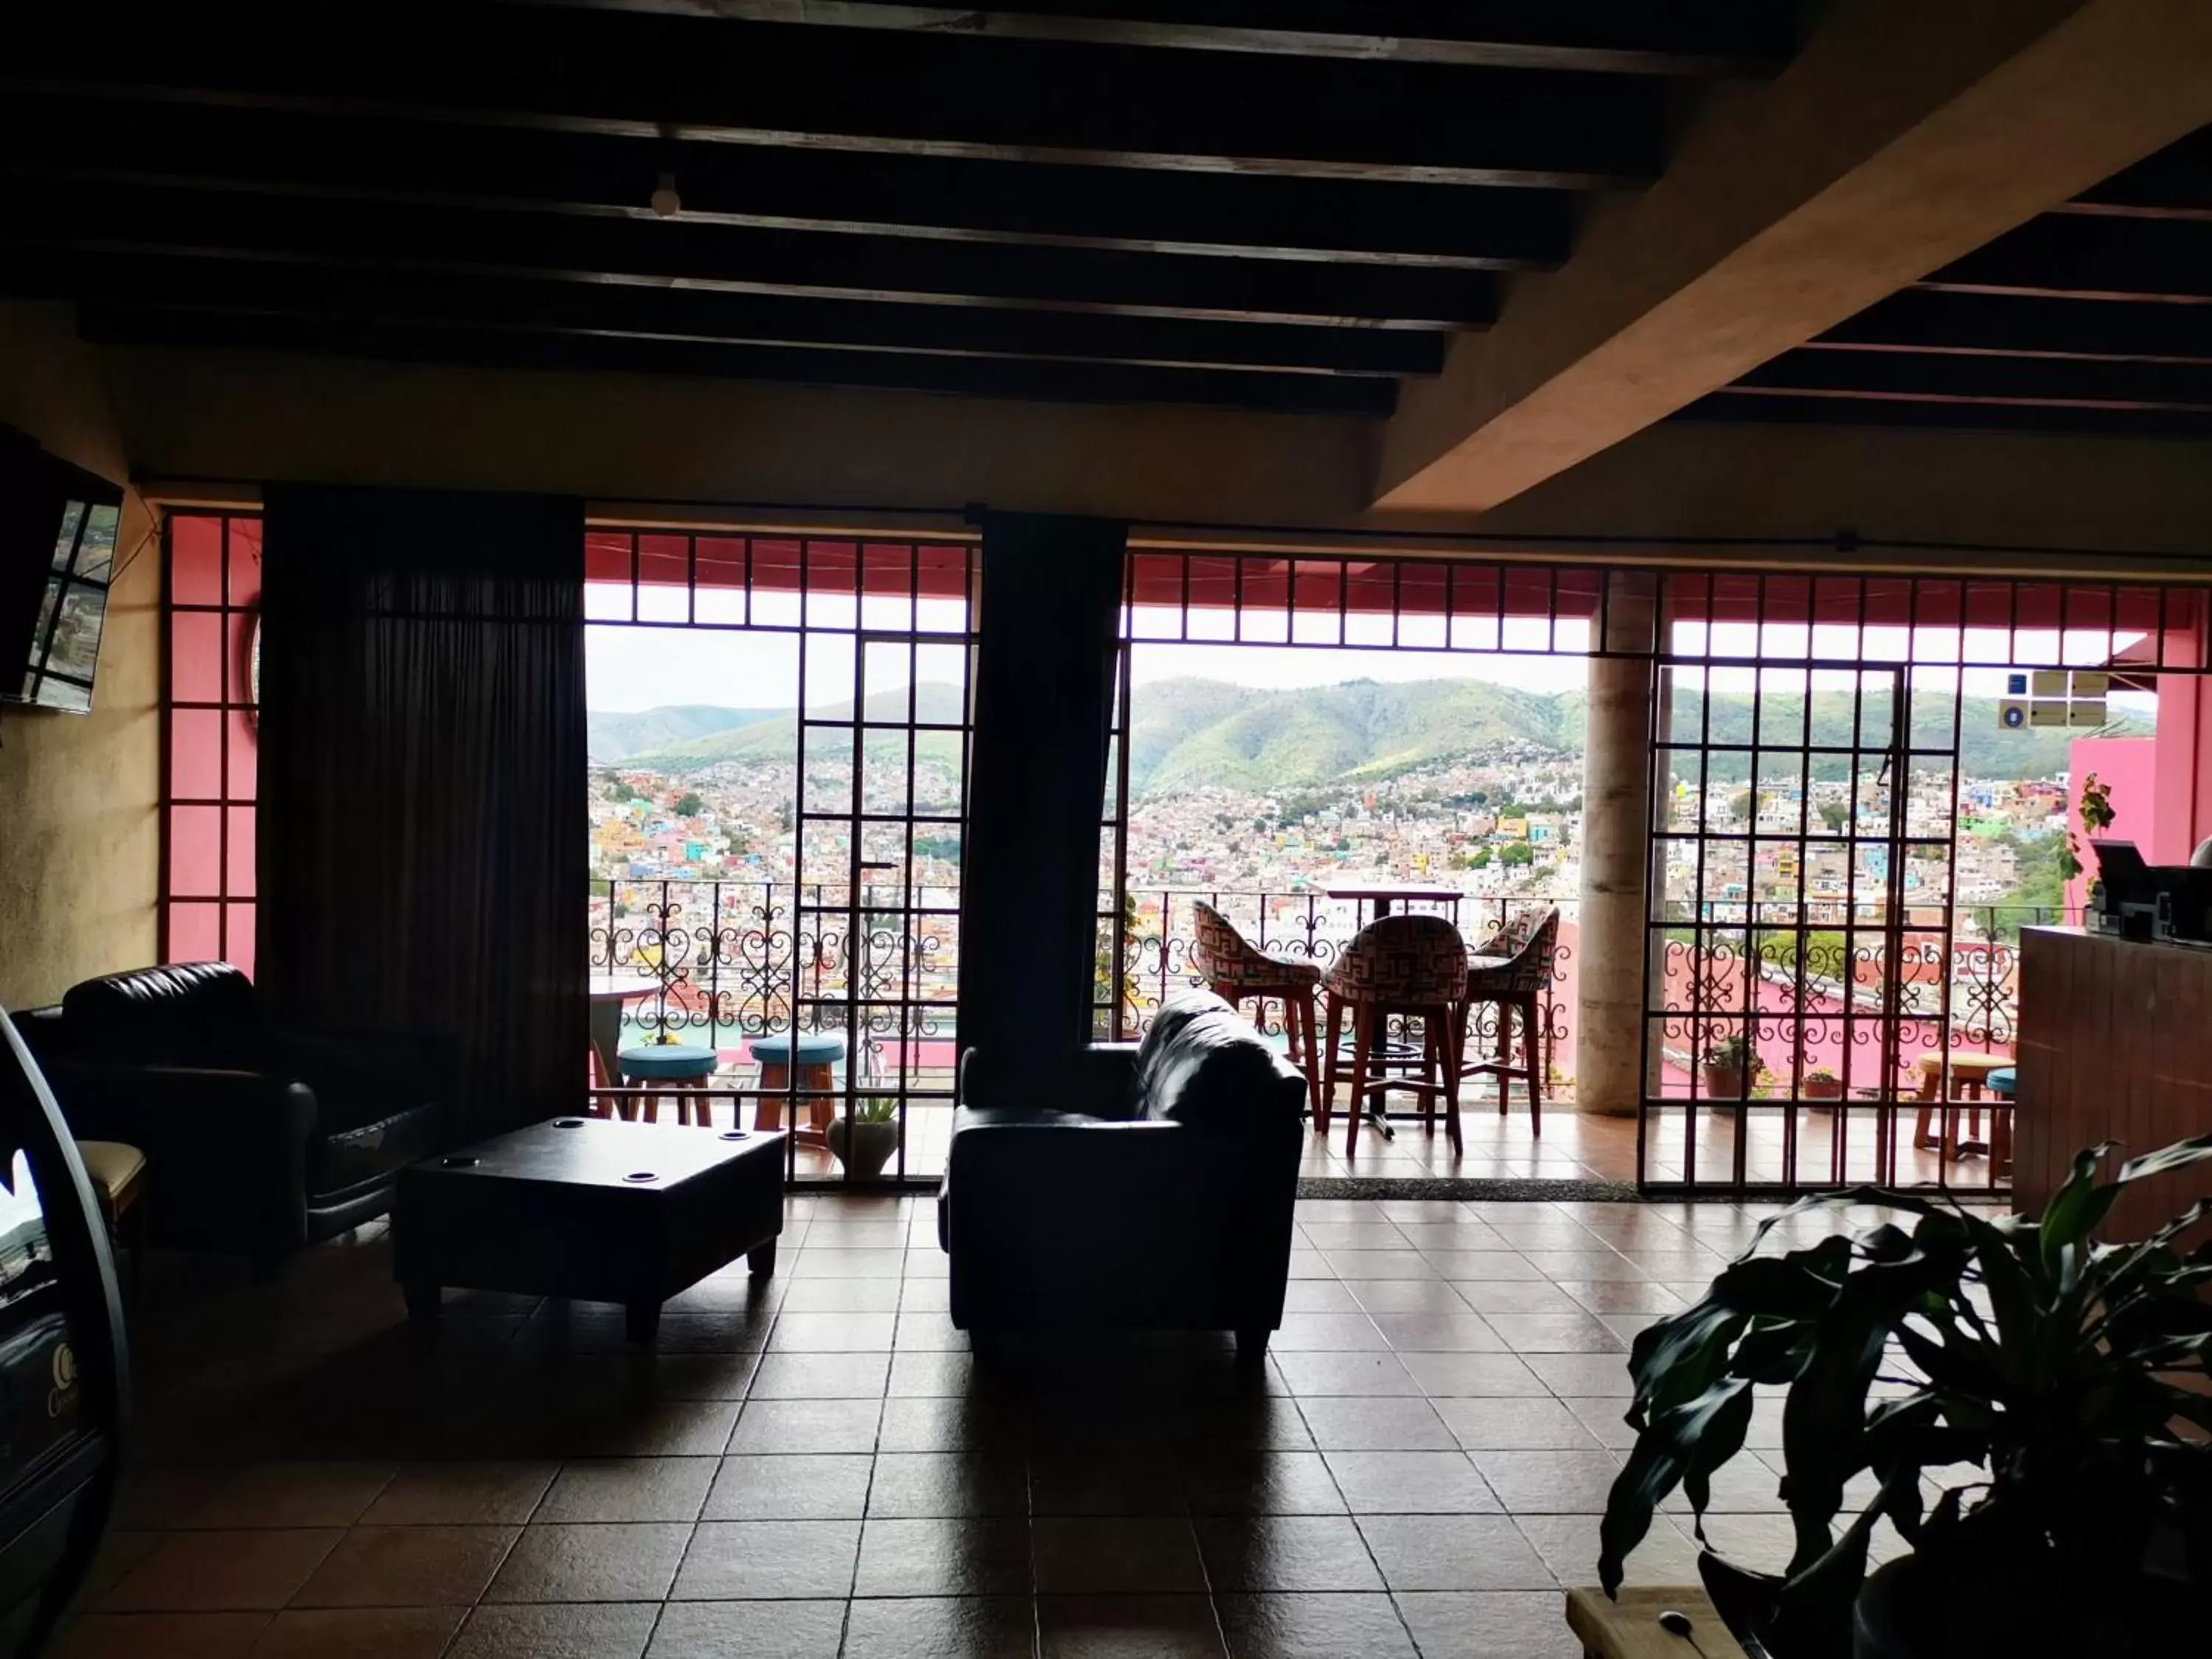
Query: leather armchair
x,y
258,1142
1134,1187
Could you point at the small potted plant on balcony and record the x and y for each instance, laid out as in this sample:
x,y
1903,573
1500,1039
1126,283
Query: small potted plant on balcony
x,y
1731,1066
1822,1084
864,1142
2066,1372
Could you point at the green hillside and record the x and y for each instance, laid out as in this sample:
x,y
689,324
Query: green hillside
x,y
1191,733
1188,733
773,734
617,737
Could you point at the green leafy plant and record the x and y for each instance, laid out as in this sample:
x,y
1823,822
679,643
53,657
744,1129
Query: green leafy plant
x,y
1733,1053
1820,1074
2097,815
875,1109
2059,1366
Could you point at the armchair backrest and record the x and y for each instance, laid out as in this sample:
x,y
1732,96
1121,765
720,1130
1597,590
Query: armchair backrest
x,y
1201,1064
184,1013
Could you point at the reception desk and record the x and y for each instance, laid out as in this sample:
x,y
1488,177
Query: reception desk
x,y
2115,1044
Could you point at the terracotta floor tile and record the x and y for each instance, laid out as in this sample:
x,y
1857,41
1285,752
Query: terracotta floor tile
x,y
552,1631
1259,1482
207,1571
807,1425
1310,1627
1137,1482
626,1562
807,1486
1550,1482
1411,1483
738,1561
1376,1424
1129,1627
408,1567
411,1632
968,1556
1286,1552
162,1636
969,1627
1364,1374
460,1494
1453,1551
749,1630
831,1376
925,1485
293,1495
1487,1625
1515,1423
1083,1556
629,1489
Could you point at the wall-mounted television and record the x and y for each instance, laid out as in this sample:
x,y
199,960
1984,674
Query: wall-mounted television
x,y
57,530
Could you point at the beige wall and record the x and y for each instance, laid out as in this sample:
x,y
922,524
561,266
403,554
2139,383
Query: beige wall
x,y
191,415
79,831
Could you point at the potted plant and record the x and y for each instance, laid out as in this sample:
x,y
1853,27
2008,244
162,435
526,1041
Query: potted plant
x,y
2060,1368
1822,1084
866,1141
1731,1065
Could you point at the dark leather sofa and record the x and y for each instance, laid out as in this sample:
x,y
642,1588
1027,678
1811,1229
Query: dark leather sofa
x,y
1133,1188
258,1142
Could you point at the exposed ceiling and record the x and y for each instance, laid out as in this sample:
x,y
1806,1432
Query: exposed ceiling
x,y
1266,204
2096,317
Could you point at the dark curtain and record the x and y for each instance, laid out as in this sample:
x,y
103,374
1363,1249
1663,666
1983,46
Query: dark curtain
x,y
1037,785
423,824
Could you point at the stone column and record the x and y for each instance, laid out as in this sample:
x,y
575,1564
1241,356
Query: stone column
x,y
1616,854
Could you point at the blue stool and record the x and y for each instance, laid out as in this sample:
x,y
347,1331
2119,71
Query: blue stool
x,y
2000,1083
811,1055
669,1062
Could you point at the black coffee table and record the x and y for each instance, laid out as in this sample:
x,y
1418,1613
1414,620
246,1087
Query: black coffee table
x,y
592,1208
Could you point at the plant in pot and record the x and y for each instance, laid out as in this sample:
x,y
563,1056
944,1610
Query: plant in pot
x,y
2065,1371
864,1142
1822,1084
1731,1065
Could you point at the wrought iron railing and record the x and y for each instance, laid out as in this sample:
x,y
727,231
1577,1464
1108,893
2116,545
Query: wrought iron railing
x,y
729,960
1161,930
1825,1001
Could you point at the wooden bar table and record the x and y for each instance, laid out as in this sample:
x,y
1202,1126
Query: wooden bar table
x,y
2115,1044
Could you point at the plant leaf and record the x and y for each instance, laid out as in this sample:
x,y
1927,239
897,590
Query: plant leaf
x,y
2166,1159
1664,1452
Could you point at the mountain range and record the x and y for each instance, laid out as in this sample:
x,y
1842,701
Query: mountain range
x,y
1190,733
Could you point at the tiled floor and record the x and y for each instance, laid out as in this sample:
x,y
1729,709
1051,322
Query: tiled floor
x,y
817,1467
1571,1147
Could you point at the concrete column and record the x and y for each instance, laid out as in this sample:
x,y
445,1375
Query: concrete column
x,y
1616,854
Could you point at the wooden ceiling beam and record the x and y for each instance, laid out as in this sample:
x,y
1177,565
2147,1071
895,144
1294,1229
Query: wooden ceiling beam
x,y
676,253
532,169
1901,138
1921,321
1111,383
524,306
701,80
1643,37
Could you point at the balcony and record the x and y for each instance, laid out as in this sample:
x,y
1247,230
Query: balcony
x,y
722,962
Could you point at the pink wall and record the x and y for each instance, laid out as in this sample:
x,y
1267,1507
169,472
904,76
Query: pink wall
x,y
2130,768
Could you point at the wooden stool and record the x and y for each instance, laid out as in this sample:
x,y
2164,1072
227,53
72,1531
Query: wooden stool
x,y
814,1054
1630,1628
1236,969
1410,965
118,1174
669,1062
1513,980
1969,1072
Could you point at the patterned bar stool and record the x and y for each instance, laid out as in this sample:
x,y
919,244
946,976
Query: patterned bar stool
x,y
1235,969
1414,966
1513,972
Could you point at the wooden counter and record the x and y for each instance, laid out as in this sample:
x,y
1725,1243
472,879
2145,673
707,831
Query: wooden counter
x,y
2115,1044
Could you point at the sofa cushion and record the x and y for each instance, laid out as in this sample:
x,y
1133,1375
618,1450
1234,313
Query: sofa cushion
x,y
204,1014
1203,1066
